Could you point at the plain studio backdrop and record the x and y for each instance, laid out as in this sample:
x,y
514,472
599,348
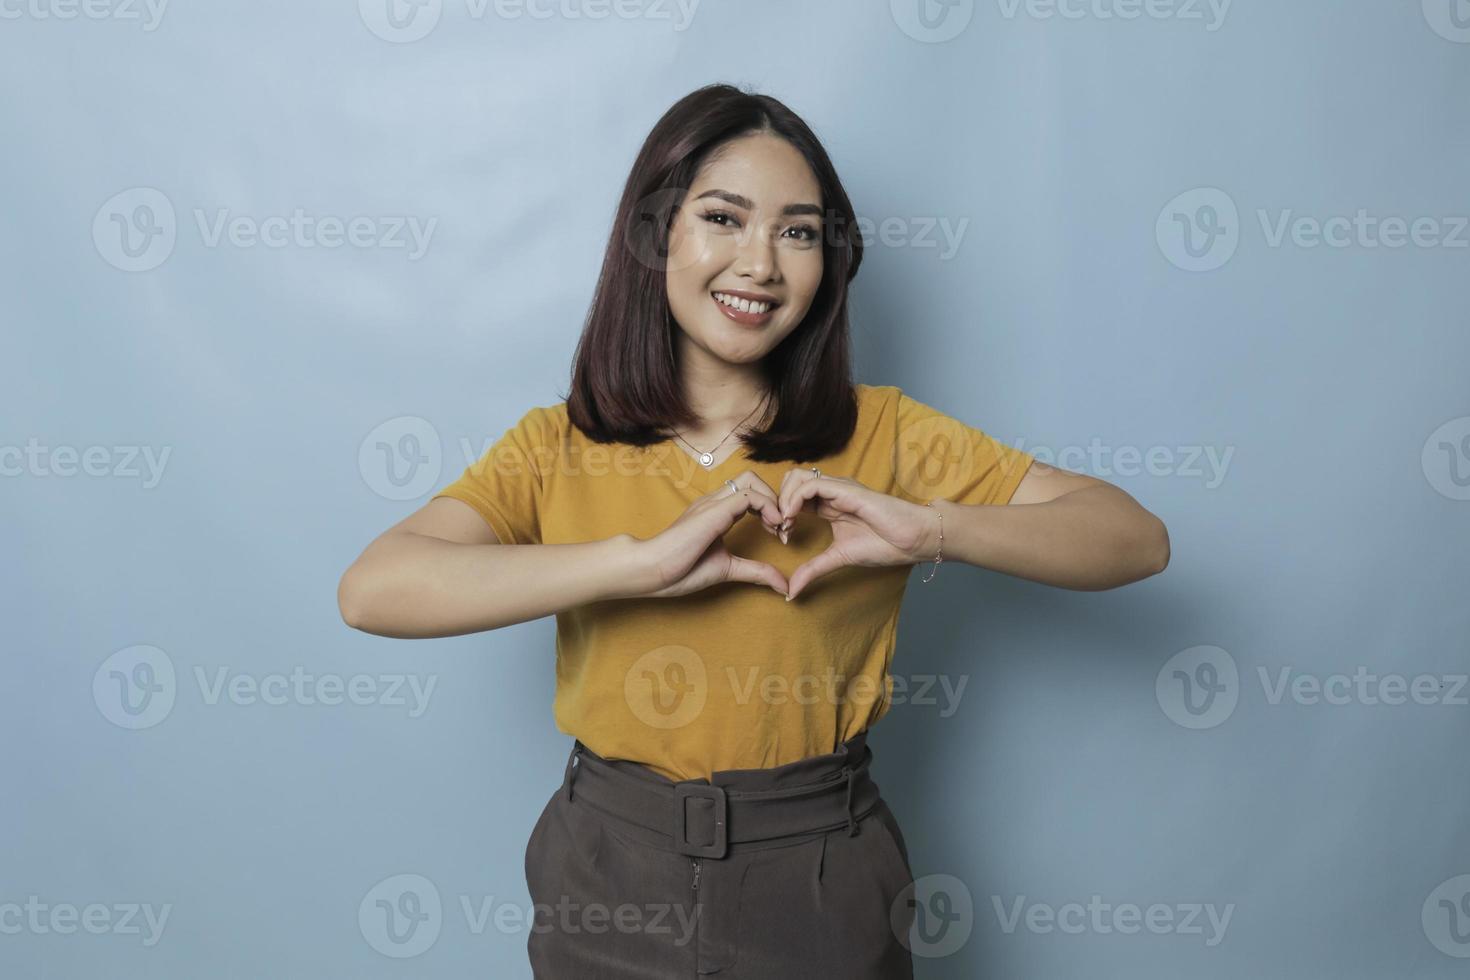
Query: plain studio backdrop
x,y
275,272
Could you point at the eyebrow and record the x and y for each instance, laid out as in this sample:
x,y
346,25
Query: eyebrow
x,y
741,201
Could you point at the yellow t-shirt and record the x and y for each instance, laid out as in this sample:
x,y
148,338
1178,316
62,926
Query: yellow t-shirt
x,y
733,676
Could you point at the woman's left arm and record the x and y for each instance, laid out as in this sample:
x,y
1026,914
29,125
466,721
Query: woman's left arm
x,y
1060,528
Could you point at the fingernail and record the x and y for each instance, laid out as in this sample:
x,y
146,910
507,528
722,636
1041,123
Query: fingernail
x,y
783,537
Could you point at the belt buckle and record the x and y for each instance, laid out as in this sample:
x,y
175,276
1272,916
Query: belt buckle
x,y
682,793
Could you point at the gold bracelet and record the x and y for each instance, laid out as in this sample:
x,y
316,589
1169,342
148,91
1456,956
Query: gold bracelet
x,y
939,557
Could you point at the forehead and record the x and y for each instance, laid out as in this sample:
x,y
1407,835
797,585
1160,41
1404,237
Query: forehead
x,y
766,169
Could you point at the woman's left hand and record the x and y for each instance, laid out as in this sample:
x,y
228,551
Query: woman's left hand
x,y
869,529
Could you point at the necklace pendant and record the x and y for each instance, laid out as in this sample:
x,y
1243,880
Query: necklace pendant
x,y
707,459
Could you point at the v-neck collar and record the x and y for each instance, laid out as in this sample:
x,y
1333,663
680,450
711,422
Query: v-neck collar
x,y
712,476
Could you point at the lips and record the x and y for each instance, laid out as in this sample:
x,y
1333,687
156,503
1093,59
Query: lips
x,y
744,317
747,299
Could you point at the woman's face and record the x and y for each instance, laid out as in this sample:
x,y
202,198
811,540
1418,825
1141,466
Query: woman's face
x,y
749,226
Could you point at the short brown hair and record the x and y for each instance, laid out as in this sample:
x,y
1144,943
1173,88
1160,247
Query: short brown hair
x,y
624,384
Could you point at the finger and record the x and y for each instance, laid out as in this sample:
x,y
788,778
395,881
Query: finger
x,y
814,568
752,499
841,494
770,515
795,477
757,573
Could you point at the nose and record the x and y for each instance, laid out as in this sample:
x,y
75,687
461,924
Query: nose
x,y
755,255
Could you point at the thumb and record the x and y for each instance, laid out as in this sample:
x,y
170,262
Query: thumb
x,y
756,573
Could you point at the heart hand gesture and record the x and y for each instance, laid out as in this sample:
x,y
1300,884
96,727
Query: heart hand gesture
x,y
869,529
690,554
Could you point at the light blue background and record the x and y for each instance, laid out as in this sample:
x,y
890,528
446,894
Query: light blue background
x,y
1334,538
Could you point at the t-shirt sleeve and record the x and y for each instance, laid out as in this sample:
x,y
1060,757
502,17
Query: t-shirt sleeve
x,y
938,457
505,485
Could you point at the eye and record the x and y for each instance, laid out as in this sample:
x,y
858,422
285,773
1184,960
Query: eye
x,y
711,217
724,219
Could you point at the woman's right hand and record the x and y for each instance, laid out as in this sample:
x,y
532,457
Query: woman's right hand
x,y
690,554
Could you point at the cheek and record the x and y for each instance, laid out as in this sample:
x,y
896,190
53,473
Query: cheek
x,y
692,253
805,277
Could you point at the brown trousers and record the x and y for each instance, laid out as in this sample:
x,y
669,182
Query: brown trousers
x,y
613,899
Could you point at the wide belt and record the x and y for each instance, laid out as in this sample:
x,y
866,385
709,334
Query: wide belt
x,y
702,819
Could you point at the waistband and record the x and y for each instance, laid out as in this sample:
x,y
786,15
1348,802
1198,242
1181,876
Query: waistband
x,y
703,818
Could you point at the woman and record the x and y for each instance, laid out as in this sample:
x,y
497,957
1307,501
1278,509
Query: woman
x,y
718,674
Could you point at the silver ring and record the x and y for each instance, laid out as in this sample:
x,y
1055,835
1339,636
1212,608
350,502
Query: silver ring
x,y
816,471
732,486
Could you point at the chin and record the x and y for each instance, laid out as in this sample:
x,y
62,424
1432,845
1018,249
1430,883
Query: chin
x,y
736,350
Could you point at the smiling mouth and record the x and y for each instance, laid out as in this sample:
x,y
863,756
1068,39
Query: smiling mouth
x,y
747,306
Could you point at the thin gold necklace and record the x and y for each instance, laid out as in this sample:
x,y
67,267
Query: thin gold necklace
x,y
708,459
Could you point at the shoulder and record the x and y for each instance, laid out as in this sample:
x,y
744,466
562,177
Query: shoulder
x,y
539,431
544,422
877,400
890,404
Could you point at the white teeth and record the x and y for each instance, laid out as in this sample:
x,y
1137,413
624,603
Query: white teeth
x,y
744,305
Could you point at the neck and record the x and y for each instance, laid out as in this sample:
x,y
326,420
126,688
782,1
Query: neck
x,y
723,394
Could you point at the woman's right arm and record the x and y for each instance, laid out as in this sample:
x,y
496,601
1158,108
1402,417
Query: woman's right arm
x,y
441,571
